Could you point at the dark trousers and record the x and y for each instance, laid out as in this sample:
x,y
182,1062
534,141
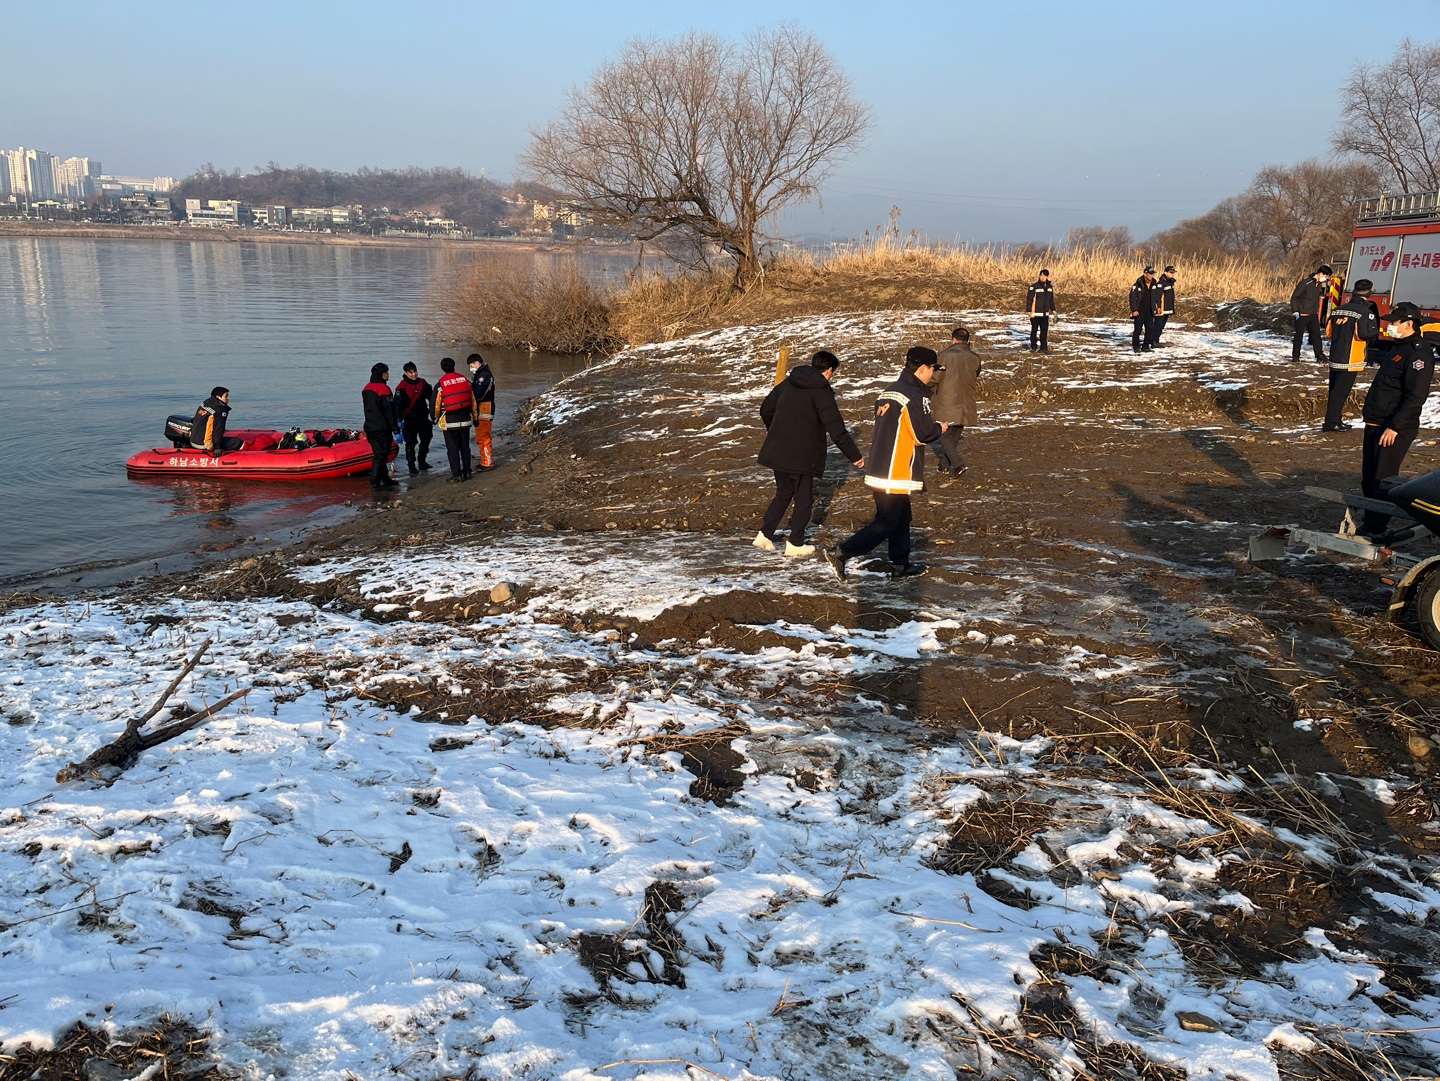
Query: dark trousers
x,y
417,432
457,449
229,444
380,446
1342,382
1144,332
801,488
1308,324
892,523
947,448
1376,464
1040,332
1157,327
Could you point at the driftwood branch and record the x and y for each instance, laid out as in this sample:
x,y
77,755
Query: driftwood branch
x,y
125,748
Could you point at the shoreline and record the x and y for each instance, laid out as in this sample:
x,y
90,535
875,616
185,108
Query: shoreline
x,y
21,230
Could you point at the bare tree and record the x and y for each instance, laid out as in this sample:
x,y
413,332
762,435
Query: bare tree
x,y
1390,115
702,140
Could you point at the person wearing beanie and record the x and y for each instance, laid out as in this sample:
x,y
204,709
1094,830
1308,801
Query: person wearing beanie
x,y
381,426
1163,293
455,411
1142,311
483,382
1040,304
1351,327
798,414
1392,406
1310,293
895,466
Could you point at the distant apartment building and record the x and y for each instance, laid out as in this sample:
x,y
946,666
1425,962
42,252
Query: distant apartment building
x,y
217,212
75,178
317,216
31,174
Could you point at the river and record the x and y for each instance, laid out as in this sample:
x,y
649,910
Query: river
x,y
100,340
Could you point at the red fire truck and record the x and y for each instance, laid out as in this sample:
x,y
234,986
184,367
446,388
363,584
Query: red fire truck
x,y
1397,246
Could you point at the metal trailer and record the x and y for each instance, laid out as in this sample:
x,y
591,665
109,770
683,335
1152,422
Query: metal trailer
x,y
1414,579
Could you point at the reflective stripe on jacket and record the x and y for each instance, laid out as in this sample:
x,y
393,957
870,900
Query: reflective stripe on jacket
x,y
902,425
1351,327
454,401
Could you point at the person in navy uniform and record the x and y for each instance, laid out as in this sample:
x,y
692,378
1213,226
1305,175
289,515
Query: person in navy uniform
x,y
1393,405
1040,304
1305,304
1163,293
1352,327
1142,311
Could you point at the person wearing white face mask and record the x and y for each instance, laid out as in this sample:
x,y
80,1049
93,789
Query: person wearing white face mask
x,y
1393,404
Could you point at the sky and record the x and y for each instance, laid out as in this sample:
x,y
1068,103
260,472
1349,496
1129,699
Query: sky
x,y
990,121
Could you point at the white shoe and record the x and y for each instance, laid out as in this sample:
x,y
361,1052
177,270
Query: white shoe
x,y
764,543
796,551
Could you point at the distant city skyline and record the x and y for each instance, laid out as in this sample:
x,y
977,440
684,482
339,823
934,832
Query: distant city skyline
x,y
989,124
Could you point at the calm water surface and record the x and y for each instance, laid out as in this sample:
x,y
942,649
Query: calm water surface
x,y
100,340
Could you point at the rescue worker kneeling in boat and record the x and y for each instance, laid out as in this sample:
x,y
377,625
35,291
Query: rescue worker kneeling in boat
x,y
207,430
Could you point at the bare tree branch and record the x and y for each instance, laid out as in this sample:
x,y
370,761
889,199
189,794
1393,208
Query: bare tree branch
x,y
699,141
1390,115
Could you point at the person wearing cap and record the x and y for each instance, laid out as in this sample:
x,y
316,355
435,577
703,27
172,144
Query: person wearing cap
x,y
1040,304
454,411
952,400
483,381
1163,293
1351,327
1393,404
412,408
895,466
380,425
1142,311
798,414
1305,302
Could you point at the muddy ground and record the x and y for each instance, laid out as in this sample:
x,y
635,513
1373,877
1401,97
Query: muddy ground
x,y
1099,539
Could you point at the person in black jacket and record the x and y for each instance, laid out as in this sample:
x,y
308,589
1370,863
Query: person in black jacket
x,y
1352,327
1142,311
1305,304
1163,293
483,380
380,425
1392,407
1040,304
412,410
798,414
207,430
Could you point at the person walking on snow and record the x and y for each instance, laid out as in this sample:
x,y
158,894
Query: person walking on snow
x,y
1040,303
1351,326
953,398
483,382
1163,292
798,414
1393,404
1142,311
412,407
895,467
1310,293
381,426
455,413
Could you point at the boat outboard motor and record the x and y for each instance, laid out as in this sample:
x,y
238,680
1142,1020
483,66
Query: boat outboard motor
x,y
177,430
1419,498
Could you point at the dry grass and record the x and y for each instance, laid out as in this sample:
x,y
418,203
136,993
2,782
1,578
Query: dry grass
x,y
507,300
889,274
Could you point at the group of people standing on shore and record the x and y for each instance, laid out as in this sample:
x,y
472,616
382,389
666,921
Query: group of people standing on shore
x,y
456,404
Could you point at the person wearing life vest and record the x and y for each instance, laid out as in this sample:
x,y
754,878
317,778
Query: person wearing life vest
x,y
1393,404
380,425
895,466
1305,305
207,429
455,411
1142,311
483,382
1040,304
412,408
1163,293
1351,328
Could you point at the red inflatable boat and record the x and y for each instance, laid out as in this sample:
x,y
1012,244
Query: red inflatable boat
x,y
266,456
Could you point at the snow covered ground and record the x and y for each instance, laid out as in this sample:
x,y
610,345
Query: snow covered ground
x,y
342,885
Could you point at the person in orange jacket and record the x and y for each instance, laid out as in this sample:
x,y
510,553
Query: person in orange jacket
x,y
483,382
